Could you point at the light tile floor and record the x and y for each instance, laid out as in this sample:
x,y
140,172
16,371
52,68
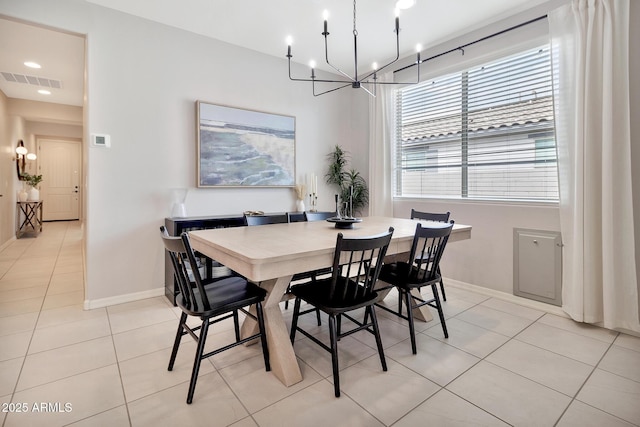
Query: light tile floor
x,y
504,364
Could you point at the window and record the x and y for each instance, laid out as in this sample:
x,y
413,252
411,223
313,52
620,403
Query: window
x,y
483,133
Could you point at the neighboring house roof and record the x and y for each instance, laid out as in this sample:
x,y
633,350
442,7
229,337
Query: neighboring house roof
x,y
519,113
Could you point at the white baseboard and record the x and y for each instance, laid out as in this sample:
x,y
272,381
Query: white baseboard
x,y
120,299
536,305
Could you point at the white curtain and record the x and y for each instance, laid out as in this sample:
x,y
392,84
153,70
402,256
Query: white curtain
x,y
590,42
381,125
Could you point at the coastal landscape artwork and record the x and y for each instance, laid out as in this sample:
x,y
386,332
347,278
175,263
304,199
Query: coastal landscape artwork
x,y
244,148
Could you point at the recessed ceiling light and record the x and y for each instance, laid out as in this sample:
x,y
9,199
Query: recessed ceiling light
x,y
405,4
44,92
32,64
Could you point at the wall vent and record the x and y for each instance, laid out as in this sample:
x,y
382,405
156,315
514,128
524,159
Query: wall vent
x,y
537,265
31,80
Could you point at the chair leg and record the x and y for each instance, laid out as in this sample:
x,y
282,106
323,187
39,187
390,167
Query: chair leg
x,y
376,331
333,335
196,363
286,303
176,342
263,337
318,317
294,319
236,324
440,312
444,296
412,329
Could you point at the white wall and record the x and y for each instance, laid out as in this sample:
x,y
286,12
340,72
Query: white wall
x,y
487,258
143,81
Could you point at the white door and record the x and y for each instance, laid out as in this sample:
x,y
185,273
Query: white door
x,y
59,164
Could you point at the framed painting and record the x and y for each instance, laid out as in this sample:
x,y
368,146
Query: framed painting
x,y
244,148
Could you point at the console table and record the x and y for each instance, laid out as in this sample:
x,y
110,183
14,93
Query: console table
x,y
32,214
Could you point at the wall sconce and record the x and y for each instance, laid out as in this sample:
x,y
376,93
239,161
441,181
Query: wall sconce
x,y
22,154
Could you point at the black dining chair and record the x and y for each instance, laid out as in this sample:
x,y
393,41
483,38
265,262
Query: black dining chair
x,y
295,217
356,265
318,216
265,219
217,301
421,269
308,275
437,217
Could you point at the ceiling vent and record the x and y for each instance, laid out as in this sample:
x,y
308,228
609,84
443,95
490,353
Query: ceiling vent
x,y
31,80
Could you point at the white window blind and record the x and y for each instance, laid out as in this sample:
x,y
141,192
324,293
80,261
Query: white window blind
x,y
482,133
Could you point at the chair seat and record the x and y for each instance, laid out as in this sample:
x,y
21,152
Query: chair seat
x,y
343,299
225,295
397,273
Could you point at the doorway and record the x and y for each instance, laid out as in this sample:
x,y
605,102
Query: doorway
x,y
59,162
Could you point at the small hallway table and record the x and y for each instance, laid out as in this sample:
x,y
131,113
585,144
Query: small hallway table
x,y
28,217
272,254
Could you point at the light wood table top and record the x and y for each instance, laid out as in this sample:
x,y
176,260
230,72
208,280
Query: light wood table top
x,y
272,254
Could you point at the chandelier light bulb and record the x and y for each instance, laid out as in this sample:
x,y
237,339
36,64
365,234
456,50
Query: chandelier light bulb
x,y
405,4
325,14
312,64
289,40
374,66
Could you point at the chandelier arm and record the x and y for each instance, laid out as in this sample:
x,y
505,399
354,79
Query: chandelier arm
x,y
402,83
390,63
326,56
296,79
330,90
373,94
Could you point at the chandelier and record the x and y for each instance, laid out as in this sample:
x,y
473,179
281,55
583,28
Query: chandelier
x,y
356,81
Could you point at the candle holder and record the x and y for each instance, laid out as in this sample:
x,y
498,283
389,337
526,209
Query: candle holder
x,y
313,202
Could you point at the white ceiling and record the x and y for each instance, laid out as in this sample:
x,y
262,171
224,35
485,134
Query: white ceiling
x,y
61,56
259,25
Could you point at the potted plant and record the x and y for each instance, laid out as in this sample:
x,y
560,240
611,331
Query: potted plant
x,y
347,180
33,181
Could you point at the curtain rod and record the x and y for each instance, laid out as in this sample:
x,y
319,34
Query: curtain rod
x,y
476,41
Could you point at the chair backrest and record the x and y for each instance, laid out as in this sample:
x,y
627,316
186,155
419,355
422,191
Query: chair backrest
x,y
265,219
426,251
430,216
183,259
296,217
318,216
358,260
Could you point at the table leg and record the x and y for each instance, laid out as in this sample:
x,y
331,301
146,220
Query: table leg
x,y
284,364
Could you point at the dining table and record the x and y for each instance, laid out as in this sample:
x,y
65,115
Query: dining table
x,y
271,254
